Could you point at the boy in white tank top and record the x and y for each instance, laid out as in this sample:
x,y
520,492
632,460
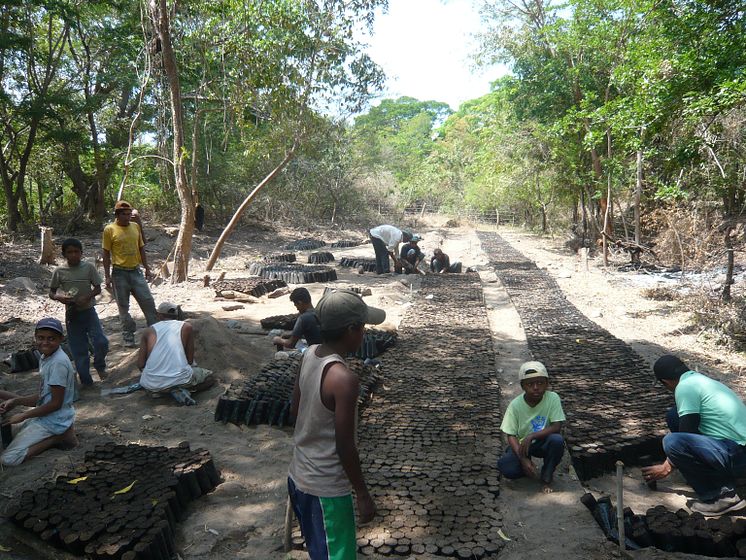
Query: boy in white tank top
x,y
325,464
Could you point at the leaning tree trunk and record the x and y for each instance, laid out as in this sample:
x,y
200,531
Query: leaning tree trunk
x,y
237,215
638,196
160,16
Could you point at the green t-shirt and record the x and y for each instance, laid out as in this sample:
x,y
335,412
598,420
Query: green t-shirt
x,y
521,419
722,413
76,281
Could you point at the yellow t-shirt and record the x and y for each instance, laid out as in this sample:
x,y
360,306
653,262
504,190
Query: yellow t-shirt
x,y
123,243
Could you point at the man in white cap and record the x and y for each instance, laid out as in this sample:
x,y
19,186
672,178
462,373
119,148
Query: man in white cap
x,y
532,423
166,357
325,465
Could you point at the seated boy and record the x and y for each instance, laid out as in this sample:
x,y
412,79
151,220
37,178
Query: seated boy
x,y
325,464
532,423
80,283
440,263
50,422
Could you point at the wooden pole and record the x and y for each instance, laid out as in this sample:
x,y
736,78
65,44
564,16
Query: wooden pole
x,y
286,543
620,504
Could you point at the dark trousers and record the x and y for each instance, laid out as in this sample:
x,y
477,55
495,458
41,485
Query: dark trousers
x,y
83,325
551,449
382,255
710,466
437,266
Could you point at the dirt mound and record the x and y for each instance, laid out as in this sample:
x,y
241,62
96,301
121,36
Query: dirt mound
x,y
227,352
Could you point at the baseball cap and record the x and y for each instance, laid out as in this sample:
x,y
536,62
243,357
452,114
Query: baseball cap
x,y
416,237
529,370
341,308
168,308
669,367
50,323
122,205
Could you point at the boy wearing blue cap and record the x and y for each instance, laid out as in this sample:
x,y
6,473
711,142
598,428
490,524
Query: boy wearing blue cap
x,y
50,422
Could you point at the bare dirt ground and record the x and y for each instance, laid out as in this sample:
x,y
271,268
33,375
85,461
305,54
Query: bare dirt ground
x,y
243,517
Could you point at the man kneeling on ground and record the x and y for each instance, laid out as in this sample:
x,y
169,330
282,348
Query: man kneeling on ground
x,y
440,263
166,357
532,423
306,325
707,440
50,422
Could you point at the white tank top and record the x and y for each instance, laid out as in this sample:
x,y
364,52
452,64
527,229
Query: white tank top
x,y
167,364
315,467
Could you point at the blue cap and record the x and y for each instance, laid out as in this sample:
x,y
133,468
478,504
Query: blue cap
x,y
50,323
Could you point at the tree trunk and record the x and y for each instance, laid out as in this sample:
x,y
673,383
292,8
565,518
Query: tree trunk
x,y
237,215
731,262
638,196
606,204
48,252
160,16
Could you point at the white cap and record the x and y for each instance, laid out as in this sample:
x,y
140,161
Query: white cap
x,y
529,370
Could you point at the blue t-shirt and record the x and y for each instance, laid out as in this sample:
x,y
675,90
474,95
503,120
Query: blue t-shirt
x,y
56,370
722,413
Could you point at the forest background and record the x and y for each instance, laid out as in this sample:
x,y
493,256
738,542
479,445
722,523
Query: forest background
x,y
619,119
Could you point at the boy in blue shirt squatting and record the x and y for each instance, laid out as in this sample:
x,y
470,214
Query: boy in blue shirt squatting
x,y
50,422
532,423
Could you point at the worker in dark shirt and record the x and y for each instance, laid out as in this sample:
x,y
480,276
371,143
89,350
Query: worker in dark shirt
x,y
441,263
411,256
307,324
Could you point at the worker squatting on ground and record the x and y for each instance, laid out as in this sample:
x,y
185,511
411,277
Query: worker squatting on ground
x,y
440,263
385,240
410,256
50,422
532,423
123,254
166,357
76,284
707,442
306,325
325,460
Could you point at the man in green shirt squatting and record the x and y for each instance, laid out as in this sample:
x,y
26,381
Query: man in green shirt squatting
x,y
532,423
707,442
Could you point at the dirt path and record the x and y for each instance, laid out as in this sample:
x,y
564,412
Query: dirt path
x,y
243,517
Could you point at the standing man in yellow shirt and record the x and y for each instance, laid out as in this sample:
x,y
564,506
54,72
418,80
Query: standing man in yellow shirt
x,y
124,252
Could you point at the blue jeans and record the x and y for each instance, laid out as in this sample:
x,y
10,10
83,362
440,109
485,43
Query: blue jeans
x,y
126,282
710,466
81,326
551,449
382,255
